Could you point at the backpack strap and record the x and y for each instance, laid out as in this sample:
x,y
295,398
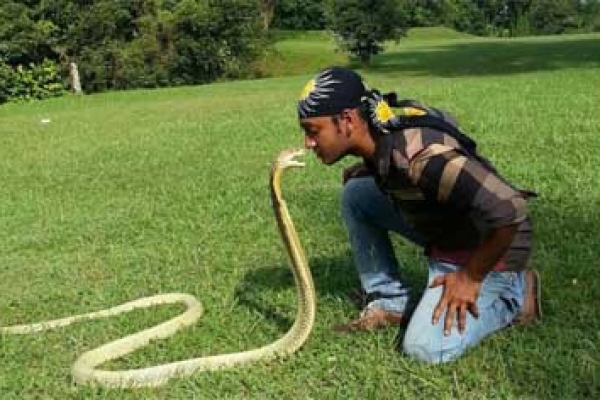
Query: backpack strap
x,y
428,118
416,115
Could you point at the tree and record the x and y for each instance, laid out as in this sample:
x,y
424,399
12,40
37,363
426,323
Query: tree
x,y
363,25
122,44
590,15
267,8
299,14
464,16
216,39
422,13
553,16
24,39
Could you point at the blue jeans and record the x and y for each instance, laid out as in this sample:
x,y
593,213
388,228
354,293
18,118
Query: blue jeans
x,y
369,215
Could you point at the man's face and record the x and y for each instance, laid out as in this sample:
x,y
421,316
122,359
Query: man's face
x,y
328,136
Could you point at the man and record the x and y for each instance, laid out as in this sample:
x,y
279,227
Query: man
x,y
430,185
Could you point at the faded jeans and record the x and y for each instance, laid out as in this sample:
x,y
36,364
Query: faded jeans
x,y
369,216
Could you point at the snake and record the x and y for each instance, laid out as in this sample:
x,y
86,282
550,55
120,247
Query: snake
x,y
85,369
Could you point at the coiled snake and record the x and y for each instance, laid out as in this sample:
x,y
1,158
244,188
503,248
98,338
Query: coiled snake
x,y
84,369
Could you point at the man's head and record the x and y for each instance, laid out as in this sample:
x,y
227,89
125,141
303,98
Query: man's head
x,y
329,112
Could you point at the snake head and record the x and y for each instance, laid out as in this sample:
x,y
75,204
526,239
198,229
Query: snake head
x,y
287,158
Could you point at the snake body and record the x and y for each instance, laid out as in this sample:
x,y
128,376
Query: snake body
x,y
85,370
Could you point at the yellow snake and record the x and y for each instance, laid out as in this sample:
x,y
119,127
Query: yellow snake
x,y
84,369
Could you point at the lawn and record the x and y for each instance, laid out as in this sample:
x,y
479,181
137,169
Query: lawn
x,y
129,194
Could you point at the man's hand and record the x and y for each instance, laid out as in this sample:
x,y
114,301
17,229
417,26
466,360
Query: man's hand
x,y
355,171
461,288
459,296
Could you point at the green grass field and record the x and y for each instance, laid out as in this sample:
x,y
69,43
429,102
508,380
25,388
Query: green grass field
x,y
130,194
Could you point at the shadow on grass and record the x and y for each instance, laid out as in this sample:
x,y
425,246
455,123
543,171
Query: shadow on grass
x,y
493,57
565,240
567,255
333,277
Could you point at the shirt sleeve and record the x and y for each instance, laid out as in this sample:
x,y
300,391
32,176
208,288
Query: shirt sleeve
x,y
451,178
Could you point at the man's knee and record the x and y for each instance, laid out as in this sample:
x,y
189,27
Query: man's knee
x,y
430,347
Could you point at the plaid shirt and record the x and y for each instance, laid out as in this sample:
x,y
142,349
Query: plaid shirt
x,y
451,198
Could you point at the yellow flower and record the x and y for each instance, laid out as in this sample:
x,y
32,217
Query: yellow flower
x,y
383,112
308,88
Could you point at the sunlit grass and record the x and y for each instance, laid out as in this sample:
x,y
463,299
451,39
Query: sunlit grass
x,y
129,194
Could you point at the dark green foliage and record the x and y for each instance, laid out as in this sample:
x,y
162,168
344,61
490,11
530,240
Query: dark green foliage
x,y
219,39
131,49
506,17
362,25
194,42
122,44
135,43
590,12
24,38
464,16
6,82
553,16
299,15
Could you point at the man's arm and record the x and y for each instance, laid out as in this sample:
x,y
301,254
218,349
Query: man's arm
x,y
460,181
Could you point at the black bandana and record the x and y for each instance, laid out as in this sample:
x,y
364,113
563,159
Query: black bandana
x,y
330,92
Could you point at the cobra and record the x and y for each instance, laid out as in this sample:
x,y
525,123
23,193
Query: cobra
x,y
85,369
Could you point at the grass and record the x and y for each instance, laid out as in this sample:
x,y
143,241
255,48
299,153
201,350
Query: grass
x,y
129,194
436,33
295,53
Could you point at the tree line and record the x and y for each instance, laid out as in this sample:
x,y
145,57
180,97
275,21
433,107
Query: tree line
x,y
122,44
479,17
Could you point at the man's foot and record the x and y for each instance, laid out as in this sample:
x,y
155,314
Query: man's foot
x,y
532,309
370,319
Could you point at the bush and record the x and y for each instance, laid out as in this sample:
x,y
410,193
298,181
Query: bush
x,y
216,40
7,82
299,15
34,82
362,26
192,42
118,65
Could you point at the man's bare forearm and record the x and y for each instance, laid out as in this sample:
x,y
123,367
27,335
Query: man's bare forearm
x,y
489,252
